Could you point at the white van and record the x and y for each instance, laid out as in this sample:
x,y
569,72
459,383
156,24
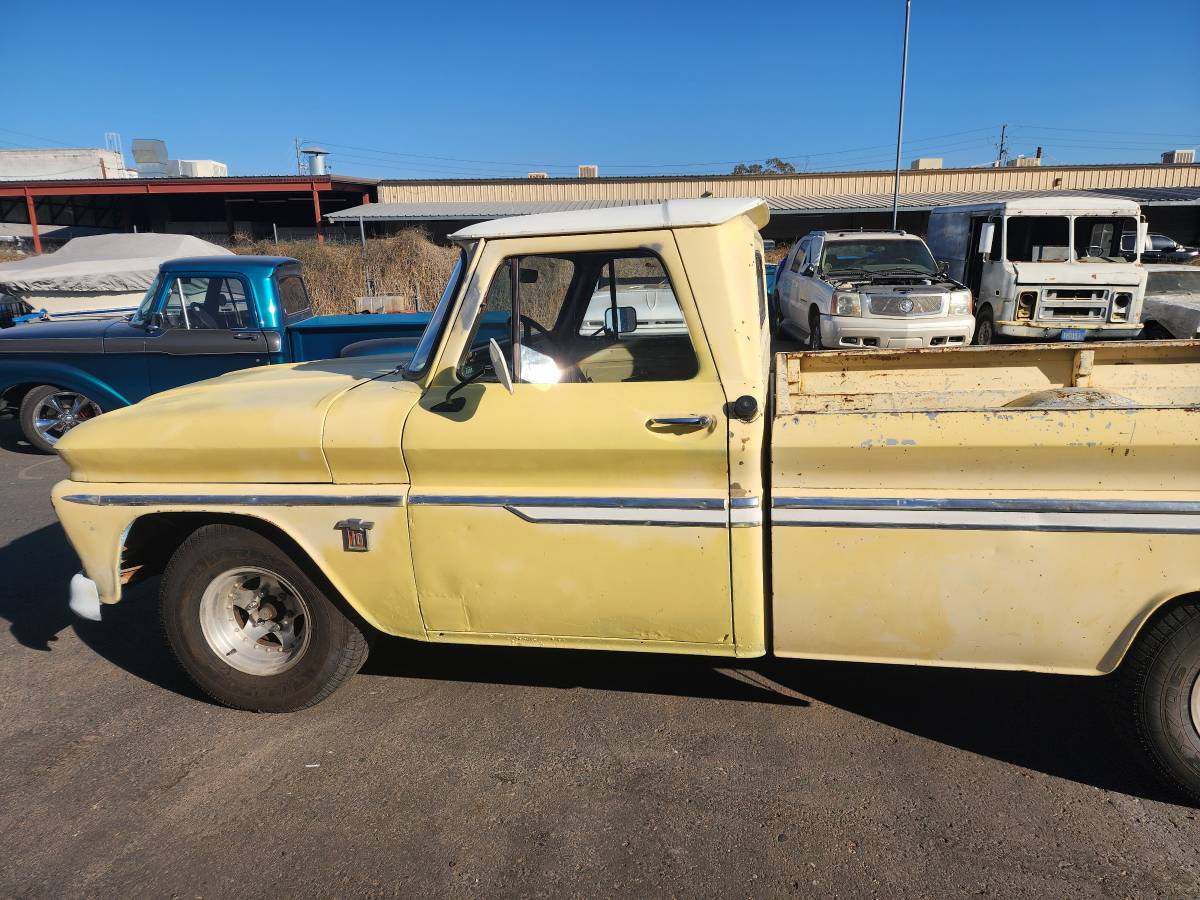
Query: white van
x,y
1048,268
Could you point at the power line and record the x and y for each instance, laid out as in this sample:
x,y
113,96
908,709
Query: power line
x,y
34,136
679,165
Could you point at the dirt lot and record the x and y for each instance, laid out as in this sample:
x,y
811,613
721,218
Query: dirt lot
x,y
484,772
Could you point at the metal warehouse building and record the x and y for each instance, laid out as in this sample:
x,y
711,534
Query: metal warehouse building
x,y
1169,195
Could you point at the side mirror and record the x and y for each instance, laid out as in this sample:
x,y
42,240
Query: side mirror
x,y
154,322
942,267
625,321
1143,241
986,235
500,364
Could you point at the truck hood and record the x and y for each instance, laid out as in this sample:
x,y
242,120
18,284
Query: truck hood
x,y
253,426
1099,274
61,337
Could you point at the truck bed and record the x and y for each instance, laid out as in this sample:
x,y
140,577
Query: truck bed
x,y
913,493
1133,374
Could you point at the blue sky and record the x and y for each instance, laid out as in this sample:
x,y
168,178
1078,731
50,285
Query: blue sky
x,y
466,89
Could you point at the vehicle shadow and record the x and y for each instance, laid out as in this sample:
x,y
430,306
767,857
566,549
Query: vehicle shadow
x,y
1049,724
12,439
33,601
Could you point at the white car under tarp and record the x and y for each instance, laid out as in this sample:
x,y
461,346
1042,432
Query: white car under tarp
x,y
97,277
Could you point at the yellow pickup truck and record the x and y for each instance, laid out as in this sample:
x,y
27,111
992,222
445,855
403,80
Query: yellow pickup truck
x,y
557,482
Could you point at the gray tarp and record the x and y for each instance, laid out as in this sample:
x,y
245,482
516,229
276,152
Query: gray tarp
x,y
106,262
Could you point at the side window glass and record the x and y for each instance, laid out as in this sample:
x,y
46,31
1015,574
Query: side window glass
x,y
997,237
208,304
633,328
801,253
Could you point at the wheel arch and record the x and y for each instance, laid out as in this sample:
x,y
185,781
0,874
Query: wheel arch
x,y
18,377
153,538
1141,624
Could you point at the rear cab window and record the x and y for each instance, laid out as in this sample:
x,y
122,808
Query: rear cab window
x,y
292,293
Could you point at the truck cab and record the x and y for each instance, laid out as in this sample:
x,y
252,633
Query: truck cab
x,y
1046,268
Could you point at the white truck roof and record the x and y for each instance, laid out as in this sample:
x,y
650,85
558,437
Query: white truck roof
x,y
1068,203
642,217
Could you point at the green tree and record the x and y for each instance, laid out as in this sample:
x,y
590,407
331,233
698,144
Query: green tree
x,y
772,166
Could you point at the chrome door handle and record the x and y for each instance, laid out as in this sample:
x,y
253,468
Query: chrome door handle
x,y
687,421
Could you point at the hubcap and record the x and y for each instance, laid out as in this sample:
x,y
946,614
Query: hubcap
x,y
255,621
60,412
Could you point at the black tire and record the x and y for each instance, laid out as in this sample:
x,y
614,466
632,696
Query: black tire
x,y
985,328
815,340
1156,690
334,649
33,400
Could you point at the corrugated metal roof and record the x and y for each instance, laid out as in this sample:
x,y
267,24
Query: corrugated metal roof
x,y
779,205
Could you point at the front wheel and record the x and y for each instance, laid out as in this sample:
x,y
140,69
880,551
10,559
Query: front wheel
x,y
1158,697
250,628
49,412
985,328
815,339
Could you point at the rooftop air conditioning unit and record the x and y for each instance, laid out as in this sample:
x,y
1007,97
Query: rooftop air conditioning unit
x,y
1179,157
589,171
927,162
538,175
1024,162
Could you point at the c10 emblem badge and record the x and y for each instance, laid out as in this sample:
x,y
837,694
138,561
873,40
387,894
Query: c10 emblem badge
x,y
354,535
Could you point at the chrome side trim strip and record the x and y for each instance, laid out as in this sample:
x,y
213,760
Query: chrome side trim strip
x,y
573,502
745,502
234,500
1143,521
1031,504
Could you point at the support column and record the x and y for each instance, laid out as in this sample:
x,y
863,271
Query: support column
x,y
317,214
29,208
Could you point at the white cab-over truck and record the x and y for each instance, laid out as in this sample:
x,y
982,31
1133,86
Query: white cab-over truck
x,y
1046,268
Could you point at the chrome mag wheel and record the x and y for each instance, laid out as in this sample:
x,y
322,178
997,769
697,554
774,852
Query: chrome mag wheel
x,y
58,413
255,621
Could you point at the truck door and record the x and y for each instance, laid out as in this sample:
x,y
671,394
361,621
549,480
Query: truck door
x,y
207,326
590,503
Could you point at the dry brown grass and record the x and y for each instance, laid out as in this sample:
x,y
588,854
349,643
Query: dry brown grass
x,y
8,254
409,265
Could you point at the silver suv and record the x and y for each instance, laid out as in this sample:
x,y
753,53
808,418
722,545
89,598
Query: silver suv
x,y
848,289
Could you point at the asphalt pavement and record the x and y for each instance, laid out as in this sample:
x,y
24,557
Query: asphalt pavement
x,y
444,771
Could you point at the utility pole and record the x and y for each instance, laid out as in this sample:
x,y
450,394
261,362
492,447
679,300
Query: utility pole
x,y
1002,155
900,126
296,141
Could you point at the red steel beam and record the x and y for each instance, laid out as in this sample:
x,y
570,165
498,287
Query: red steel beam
x,y
317,214
29,208
120,186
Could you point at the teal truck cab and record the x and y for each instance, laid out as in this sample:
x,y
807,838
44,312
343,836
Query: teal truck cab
x,y
202,317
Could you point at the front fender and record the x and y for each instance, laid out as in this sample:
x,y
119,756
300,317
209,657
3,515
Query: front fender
x,y
15,372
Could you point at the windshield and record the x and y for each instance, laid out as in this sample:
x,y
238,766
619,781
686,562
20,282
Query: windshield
x,y
1173,283
143,310
870,257
432,334
1098,239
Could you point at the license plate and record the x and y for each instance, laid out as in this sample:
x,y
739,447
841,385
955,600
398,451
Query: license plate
x,y
1072,334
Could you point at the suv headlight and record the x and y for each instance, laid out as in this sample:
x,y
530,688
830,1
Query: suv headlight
x,y
847,305
960,303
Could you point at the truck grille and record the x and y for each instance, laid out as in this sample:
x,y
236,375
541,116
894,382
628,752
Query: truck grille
x,y
901,305
1079,304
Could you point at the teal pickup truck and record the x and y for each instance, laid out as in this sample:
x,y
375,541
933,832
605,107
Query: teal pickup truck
x,y
202,317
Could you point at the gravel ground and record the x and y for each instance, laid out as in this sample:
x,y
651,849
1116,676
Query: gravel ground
x,y
489,772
